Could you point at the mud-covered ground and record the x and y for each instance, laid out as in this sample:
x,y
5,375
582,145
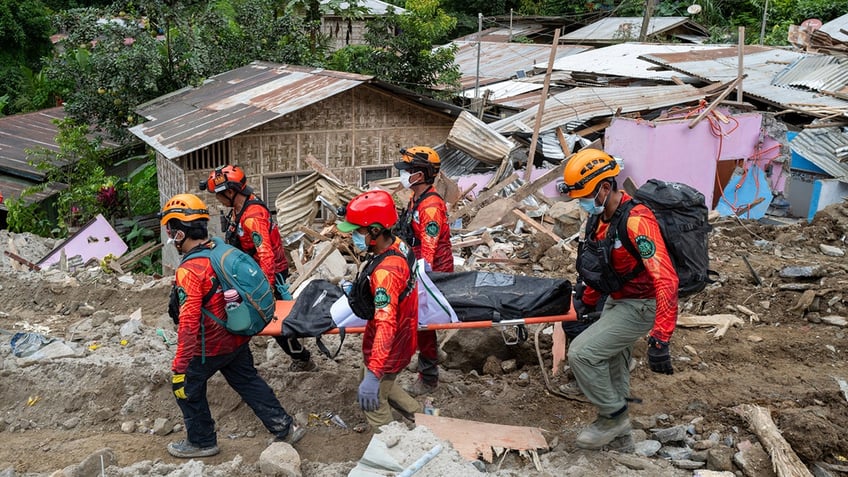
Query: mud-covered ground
x,y
57,412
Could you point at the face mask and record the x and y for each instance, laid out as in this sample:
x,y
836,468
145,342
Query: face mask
x,y
591,207
359,241
404,179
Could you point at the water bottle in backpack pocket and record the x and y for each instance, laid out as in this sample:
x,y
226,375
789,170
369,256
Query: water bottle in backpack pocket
x,y
238,312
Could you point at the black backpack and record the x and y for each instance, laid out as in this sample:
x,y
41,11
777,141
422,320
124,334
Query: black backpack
x,y
310,316
403,228
681,213
361,299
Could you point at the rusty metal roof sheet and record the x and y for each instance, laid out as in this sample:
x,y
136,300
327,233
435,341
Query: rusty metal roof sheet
x,y
22,132
826,147
616,29
504,89
503,34
761,64
578,105
499,61
818,73
233,102
623,60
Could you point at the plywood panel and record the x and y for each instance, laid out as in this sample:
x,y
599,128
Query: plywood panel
x,y
474,439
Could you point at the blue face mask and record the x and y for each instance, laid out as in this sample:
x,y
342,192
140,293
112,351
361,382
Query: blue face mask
x,y
359,241
591,207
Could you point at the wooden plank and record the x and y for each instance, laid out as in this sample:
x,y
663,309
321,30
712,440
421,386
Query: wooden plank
x,y
731,87
320,168
485,195
313,234
784,460
540,110
473,439
22,260
313,265
536,225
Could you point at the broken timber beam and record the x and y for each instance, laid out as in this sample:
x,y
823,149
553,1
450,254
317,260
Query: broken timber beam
x,y
784,460
536,225
722,321
22,260
485,195
313,265
730,88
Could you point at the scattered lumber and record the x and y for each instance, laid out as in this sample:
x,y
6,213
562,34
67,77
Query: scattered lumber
x,y
131,260
784,460
313,265
22,261
722,321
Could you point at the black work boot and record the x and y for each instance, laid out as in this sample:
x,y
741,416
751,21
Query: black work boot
x,y
604,430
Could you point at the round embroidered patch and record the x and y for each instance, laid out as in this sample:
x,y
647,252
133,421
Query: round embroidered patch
x,y
432,228
381,298
181,295
257,240
646,246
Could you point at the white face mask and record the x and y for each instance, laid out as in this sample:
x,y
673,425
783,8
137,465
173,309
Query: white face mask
x,y
404,179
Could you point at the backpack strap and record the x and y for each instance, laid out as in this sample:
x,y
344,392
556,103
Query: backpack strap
x,y
620,217
405,221
323,348
237,217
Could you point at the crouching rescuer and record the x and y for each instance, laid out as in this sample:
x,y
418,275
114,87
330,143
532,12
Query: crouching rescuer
x,y
204,347
642,294
386,295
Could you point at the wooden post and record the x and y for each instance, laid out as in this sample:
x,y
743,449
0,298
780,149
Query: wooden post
x,y
541,109
741,64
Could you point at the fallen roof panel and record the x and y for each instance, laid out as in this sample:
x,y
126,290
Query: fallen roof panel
x,y
503,60
823,147
579,105
624,60
761,64
819,73
616,29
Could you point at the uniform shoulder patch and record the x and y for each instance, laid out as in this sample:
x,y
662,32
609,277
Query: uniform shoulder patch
x,y
646,246
381,298
257,240
432,228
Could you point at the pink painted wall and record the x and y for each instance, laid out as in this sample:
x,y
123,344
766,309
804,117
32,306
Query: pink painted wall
x,y
669,150
95,240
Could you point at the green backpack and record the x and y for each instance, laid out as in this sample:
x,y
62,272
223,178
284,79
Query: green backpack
x,y
235,269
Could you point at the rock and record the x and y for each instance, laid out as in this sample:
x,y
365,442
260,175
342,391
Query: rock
x,y
647,448
809,271
93,464
71,423
162,426
675,453
712,473
509,365
687,464
720,458
492,366
755,338
703,445
643,422
86,310
672,434
753,460
280,460
128,427
831,251
834,320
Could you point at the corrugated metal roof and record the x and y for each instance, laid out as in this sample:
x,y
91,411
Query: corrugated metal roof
x,y
834,27
475,137
760,63
578,105
21,132
502,34
615,29
504,89
623,60
234,102
825,148
373,7
500,61
819,73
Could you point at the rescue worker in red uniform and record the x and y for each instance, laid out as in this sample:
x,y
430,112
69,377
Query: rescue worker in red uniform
x,y
642,294
204,347
390,335
424,226
249,228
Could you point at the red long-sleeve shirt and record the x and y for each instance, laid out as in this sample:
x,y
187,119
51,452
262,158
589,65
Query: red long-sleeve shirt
x,y
430,226
390,339
658,280
194,281
259,237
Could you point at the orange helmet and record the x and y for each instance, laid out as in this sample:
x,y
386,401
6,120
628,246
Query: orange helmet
x,y
185,208
223,178
374,207
420,158
585,170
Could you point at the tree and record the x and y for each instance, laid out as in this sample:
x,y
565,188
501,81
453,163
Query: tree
x,y
24,39
400,49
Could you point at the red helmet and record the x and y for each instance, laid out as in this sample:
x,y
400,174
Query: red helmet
x,y
223,178
374,207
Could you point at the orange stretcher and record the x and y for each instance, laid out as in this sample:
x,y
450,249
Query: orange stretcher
x,y
275,327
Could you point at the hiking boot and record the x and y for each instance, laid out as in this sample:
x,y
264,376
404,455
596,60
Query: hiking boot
x,y
572,391
295,434
419,388
299,366
603,431
187,450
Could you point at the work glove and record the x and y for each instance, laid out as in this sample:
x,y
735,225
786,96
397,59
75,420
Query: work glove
x,y
282,286
369,392
178,385
659,358
585,312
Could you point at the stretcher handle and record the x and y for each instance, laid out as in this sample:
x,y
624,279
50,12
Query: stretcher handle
x,y
570,316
